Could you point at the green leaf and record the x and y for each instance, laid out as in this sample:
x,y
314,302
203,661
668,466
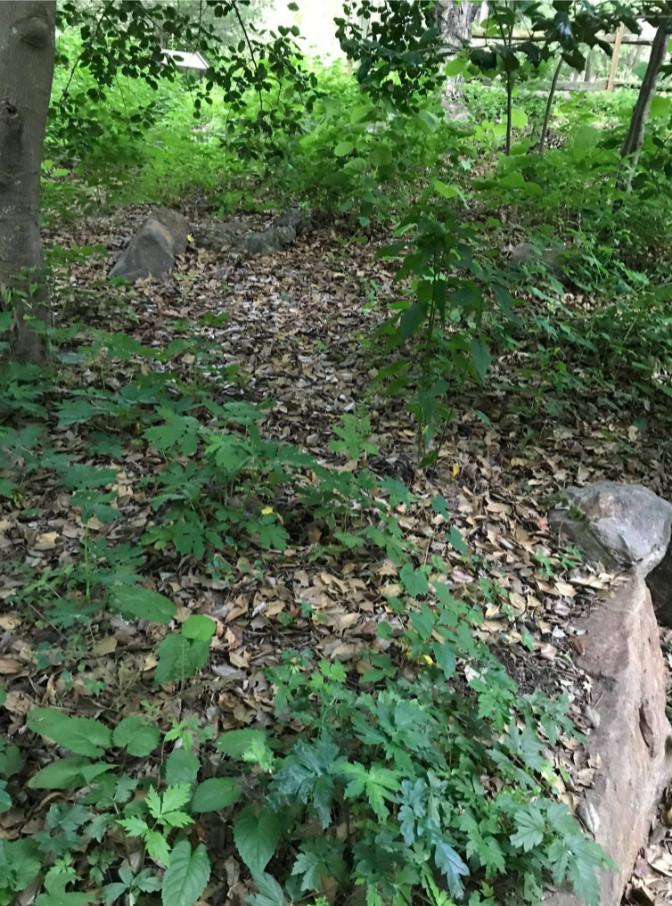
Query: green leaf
x,y
143,603
445,190
179,658
68,774
182,767
381,156
454,536
138,735
410,321
531,824
414,580
518,118
452,866
428,120
81,735
660,106
216,793
480,355
344,148
423,622
512,181
256,834
199,627
445,658
245,745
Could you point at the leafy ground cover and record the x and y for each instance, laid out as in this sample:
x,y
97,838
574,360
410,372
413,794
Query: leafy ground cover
x,y
251,648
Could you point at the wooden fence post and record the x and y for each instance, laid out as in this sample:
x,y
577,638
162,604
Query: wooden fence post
x,y
614,58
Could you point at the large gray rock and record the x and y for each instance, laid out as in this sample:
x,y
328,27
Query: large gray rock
x,y
623,526
154,248
632,741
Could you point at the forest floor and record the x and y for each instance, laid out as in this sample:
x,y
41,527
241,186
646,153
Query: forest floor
x,y
300,327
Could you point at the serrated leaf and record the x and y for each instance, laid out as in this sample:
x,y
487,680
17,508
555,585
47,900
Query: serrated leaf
x,y
81,735
187,875
414,580
138,735
256,834
531,825
143,603
215,793
445,658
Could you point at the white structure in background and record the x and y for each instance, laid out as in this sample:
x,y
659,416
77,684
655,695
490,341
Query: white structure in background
x,y
185,60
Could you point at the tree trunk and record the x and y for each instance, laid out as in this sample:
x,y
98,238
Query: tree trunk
x,y
455,20
549,105
26,71
632,145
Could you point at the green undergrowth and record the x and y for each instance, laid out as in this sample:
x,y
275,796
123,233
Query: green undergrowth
x,y
427,777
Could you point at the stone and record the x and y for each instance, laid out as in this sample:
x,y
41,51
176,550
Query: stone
x,y
529,253
622,526
234,234
154,248
633,740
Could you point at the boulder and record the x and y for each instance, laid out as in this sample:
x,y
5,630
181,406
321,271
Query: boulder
x,y
632,741
623,526
154,248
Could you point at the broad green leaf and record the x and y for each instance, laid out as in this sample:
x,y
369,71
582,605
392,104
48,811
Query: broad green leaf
x,y
660,106
455,67
445,190
344,148
423,622
256,834
143,603
381,156
182,768
428,120
410,321
454,536
512,181
138,735
68,774
445,658
199,627
187,875
480,356
180,658
414,580
518,118
216,793
81,735
244,745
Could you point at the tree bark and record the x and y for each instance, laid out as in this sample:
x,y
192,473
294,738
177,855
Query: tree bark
x,y
455,20
632,145
549,105
27,47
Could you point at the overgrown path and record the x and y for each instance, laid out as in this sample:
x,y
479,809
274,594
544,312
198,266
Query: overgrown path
x,y
300,327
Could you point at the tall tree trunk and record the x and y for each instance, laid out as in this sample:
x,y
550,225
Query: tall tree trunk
x,y
549,106
632,145
455,20
26,71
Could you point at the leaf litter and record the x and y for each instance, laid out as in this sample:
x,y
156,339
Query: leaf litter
x,y
297,330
